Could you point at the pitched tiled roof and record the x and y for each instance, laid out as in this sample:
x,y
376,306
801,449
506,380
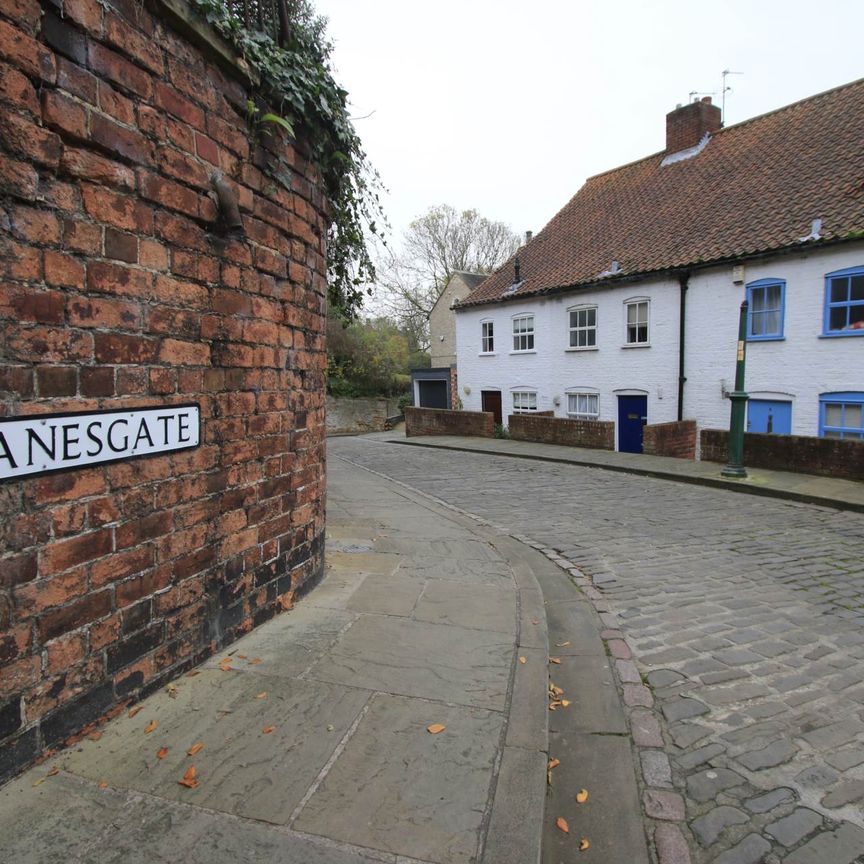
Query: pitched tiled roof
x,y
756,187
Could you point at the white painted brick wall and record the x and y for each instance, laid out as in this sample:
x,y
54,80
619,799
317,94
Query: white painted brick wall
x,y
801,366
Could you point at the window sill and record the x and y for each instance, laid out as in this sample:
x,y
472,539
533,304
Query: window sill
x,y
528,351
576,350
592,419
766,339
842,335
487,354
636,345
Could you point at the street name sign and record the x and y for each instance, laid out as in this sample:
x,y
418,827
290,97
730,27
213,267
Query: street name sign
x,y
44,443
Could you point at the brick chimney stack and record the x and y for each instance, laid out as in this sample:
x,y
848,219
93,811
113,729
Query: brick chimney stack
x,y
687,125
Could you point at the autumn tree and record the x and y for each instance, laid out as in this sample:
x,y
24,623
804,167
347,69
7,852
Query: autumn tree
x,y
434,247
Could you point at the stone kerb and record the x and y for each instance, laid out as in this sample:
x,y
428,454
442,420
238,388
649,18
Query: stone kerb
x,y
121,290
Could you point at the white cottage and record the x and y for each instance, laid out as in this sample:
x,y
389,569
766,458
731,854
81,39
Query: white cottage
x,y
626,306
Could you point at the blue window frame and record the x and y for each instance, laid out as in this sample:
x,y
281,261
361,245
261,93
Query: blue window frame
x,y
766,305
841,415
844,303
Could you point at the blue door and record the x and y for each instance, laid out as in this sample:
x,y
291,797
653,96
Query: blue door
x,y
769,417
632,416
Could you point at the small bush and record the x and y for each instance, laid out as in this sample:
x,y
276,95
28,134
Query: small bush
x,y
501,431
405,401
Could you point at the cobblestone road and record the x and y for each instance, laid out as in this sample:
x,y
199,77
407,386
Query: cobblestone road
x,y
745,615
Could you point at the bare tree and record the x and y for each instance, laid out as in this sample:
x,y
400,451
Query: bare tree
x,y
434,247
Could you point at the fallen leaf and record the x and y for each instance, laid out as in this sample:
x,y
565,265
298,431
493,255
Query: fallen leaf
x,y
103,785
561,825
558,691
53,772
261,695
565,702
435,728
194,749
267,730
555,660
255,661
523,659
150,727
163,752
553,706
562,644
581,796
584,844
535,621
95,736
171,689
189,779
193,673
241,656
134,711
553,763
227,660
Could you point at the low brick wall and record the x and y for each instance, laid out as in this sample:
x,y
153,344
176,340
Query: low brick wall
x,y
348,416
597,434
438,421
826,457
676,439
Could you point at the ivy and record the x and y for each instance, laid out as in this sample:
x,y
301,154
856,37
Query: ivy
x,y
298,76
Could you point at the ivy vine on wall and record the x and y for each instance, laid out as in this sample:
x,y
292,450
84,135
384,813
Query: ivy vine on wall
x,y
297,80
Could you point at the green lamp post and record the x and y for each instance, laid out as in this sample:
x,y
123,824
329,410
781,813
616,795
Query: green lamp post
x,y
735,466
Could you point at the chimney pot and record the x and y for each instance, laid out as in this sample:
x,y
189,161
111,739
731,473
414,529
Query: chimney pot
x,y
528,236
686,126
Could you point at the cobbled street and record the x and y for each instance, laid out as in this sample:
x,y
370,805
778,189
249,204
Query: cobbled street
x,y
745,616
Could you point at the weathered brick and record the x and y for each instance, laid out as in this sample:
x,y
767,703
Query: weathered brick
x,y
118,348
57,557
57,380
178,353
120,211
16,89
27,139
184,167
169,194
17,569
35,226
82,237
86,610
87,13
63,270
169,99
114,105
64,114
132,649
106,312
123,247
18,179
126,143
36,597
72,716
97,381
107,278
129,40
26,53
48,344
64,38
122,566
117,69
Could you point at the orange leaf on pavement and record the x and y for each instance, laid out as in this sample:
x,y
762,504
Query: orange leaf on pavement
x,y
262,695
435,728
267,730
150,727
134,711
163,752
255,661
561,825
523,660
103,785
555,660
194,749
553,763
584,844
582,796
562,644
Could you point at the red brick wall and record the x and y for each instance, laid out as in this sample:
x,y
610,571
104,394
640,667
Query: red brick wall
x,y
676,439
117,289
827,457
438,421
597,434
454,389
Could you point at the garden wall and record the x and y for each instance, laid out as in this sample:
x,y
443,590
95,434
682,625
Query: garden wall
x,y
676,439
597,434
827,457
438,421
354,416
119,289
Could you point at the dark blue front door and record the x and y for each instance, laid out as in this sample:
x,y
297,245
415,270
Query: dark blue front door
x,y
769,417
632,416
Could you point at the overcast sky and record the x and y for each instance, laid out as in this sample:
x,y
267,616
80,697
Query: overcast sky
x,y
508,106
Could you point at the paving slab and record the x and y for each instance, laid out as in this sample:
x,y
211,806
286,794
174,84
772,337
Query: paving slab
x,y
242,768
477,607
386,595
396,787
573,622
413,658
596,705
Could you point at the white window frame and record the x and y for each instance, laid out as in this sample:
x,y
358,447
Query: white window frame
x,y
637,302
527,335
487,337
589,396
586,328
524,401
